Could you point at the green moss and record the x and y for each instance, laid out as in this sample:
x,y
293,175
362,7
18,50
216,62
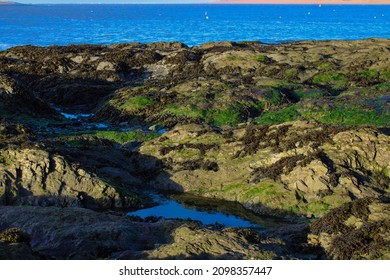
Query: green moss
x,y
318,208
308,93
5,160
258,106
137,103
272,195
127,136
137,88
280,116
112,101
334,79
293,209
252,193
117,136
385,75
265,192
291,73
274,96
230,116
354,116
225,87
234,58
384,86
262,58
369,74
334,201
188,153
183,111
231,187
385,172
325,66
225,117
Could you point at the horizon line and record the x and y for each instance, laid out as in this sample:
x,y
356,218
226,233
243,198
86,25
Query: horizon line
x,y
217,3
225,2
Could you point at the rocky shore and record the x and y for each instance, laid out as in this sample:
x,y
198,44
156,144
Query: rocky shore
x,y
297,132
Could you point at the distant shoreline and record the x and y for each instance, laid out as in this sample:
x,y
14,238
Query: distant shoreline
x,y
219,43
11,4
342,3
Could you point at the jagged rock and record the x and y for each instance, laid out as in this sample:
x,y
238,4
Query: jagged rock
x,y
215,44
37,177
362,149
244,80
105,66
355,230
214,99
310,179
303,171
197,243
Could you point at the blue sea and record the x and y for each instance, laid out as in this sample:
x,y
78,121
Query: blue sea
x,y
45,25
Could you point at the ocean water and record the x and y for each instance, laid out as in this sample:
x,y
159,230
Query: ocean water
x,y
45,25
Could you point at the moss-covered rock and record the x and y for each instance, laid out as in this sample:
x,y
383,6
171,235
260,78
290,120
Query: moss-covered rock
x,y
294,168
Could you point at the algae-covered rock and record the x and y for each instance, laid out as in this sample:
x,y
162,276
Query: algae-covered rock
x,y
355,230
199,243
343,82
294,168
287,130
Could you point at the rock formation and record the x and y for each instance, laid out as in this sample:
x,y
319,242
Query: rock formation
x,y
298,132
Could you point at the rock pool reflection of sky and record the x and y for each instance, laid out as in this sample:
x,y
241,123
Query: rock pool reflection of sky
x,y
170,209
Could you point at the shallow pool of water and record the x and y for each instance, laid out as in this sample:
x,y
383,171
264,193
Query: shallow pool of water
x,y
171,209
75,116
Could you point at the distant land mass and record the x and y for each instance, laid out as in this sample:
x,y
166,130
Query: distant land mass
x,y
302,1
8,3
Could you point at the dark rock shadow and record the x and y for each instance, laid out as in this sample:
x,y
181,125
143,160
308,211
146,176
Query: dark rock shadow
x,y
77,233
75,93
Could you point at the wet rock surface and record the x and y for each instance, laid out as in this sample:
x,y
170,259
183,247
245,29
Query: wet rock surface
x,y
297,132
